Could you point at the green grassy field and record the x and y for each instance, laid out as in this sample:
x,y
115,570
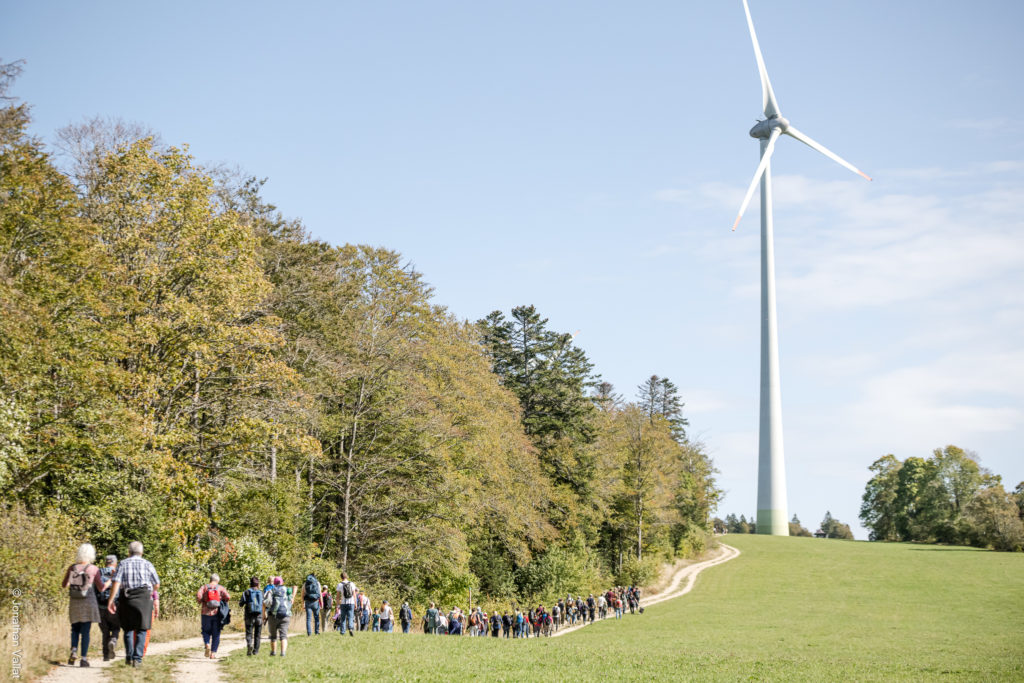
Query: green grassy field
x,y
786,609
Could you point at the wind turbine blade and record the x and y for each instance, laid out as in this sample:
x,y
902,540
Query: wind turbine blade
x,y
758,173
794,133
770,106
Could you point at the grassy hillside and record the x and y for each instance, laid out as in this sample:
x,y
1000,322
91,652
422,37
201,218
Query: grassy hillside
x,y
786,609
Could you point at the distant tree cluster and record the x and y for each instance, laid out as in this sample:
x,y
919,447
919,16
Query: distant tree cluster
x,y
833,528
830,527
182,365
947,498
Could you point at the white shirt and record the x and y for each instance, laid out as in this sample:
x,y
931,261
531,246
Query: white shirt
x,y
388,614
342,600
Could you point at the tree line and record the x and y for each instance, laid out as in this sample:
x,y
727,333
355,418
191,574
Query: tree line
x,y
947,498
830,527
183,365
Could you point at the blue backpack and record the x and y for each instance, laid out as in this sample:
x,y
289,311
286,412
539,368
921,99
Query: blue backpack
x,y
252,601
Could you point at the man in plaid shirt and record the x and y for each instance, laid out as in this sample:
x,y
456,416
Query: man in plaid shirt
x,y
135,582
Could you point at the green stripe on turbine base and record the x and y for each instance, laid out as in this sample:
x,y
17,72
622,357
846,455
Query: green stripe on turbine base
x,y
772,522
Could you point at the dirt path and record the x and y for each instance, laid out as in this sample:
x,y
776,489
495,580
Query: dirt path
x,y
97,672
676,586
196,668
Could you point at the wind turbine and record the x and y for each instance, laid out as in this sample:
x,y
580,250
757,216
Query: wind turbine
x,y
772,517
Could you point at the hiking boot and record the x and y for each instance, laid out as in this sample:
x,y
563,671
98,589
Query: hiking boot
x,y
207,652
213,655
73,658
352,633
84,663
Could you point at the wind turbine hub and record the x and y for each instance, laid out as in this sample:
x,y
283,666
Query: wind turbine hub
x,y
763,129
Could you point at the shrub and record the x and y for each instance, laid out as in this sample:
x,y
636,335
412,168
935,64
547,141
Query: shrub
x,y
636,572
34,552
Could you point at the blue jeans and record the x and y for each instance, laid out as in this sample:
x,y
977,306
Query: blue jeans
x,y
81,630
405,626
211,631
346,618
312,612
134,645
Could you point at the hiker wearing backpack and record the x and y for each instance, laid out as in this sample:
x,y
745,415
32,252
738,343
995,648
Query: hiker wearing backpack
x,y
495,624
83,581
347,604
210,597
312,602
110,625
277,608
326,608
251,603
405,616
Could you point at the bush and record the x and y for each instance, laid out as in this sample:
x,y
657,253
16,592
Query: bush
x,y
237,561
636,572
692,542
34,552
326,572
181,573
559,571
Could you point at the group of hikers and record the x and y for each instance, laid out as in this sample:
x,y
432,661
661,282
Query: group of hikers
x,y
124,596
536,622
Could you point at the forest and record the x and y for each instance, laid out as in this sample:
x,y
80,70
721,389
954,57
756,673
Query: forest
x,y
183,365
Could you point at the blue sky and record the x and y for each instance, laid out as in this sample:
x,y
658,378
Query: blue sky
x,y
589,157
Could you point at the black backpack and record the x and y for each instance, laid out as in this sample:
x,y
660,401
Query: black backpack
x,y
346,589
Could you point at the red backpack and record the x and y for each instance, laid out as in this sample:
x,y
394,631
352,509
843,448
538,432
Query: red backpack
x,y
211,597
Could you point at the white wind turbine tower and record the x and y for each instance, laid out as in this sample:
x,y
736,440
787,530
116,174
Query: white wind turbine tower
x,y
772,517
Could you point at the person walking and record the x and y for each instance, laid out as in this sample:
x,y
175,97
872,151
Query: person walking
x,y
131,598
252,611
405,615
313,603
110,626
430,620
84,582
347,604
387,618
209,597
326,608
277,605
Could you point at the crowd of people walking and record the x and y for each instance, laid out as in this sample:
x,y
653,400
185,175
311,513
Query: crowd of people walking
x,y
125,597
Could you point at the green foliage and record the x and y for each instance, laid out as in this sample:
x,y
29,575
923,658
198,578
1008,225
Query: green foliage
x,y
947,498
34,552
559,571
181,365
636,572
833,528
798,529
237,561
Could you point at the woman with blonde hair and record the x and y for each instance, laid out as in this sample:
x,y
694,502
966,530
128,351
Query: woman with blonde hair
x,y
83,581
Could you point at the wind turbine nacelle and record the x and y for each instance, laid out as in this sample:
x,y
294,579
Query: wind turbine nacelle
x,y
763,129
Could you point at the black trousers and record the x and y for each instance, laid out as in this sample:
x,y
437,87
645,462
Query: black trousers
x,y
110,629
253,629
